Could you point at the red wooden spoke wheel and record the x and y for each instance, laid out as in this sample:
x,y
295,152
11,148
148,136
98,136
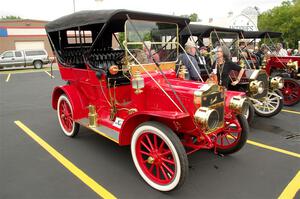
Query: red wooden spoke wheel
x,y
65,117
291,92
159,156
234,136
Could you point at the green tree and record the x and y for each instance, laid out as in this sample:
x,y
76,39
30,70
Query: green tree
x,y
193,17
10,17
284,18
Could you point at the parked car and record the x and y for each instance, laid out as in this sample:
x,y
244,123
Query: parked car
x,y
140,103
36,58
287,67
264,95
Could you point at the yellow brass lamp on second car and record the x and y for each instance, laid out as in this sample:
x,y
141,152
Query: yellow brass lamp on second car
x,y
256,87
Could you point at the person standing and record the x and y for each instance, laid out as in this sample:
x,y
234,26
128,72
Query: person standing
x,y
223,66
189,61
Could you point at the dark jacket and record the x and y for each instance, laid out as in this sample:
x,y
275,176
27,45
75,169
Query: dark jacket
x,y
183,58
223,74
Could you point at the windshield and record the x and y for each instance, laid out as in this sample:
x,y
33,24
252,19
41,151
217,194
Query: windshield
x,y
158,37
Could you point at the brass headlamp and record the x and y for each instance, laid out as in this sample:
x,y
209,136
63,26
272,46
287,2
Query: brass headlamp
x,y
277,82
206,118
256,87
239,105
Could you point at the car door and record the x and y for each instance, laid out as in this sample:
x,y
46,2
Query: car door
x,y
7,59
19,58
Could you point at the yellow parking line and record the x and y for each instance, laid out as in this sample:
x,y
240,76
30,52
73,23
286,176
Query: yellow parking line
x,y
49,74
8,77
297,155
101,191
21,71
292,188
289,111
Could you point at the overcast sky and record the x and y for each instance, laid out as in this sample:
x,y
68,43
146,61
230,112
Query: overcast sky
x,y
52,9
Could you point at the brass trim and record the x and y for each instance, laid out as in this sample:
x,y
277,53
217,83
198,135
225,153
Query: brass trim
x,y
92,116
276,83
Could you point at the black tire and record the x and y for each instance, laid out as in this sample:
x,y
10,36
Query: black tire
x,y
38,64
71,132
160,133
242,139
250,115
278,108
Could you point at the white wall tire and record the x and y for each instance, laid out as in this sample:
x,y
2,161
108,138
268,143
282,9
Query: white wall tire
x,y
65,117
271,106
166,142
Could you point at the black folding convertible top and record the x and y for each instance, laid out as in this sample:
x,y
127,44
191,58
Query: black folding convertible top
x,y
261,34
115,17
205,30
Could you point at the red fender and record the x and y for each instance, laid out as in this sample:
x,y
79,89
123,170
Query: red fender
x,y
166,118
79,106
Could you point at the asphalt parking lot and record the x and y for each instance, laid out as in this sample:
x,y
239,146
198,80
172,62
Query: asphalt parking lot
x,y
38,161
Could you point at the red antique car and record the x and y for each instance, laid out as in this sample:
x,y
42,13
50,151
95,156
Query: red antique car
x,y
286,67
117,88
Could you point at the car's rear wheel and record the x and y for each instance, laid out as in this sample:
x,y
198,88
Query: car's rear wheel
x,y
65,117
271,105
234,136
38,64
159,156
291,92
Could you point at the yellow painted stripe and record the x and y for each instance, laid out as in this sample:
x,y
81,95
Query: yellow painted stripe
x,y
292,188
49,74
101,191
297,155
21,71
8,77
289,111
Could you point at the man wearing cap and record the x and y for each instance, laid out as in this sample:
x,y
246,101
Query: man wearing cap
x,y
189,60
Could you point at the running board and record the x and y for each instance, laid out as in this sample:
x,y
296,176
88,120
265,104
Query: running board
x,y
101,130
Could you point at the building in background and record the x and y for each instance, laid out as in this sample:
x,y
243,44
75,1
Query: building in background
x,y
246,20
23,34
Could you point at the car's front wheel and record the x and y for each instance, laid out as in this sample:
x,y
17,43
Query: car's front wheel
x,y
65,117
270,105
234,135
159,156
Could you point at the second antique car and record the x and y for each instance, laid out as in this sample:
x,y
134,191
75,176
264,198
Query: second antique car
x,y
117,88
286,67
263,95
